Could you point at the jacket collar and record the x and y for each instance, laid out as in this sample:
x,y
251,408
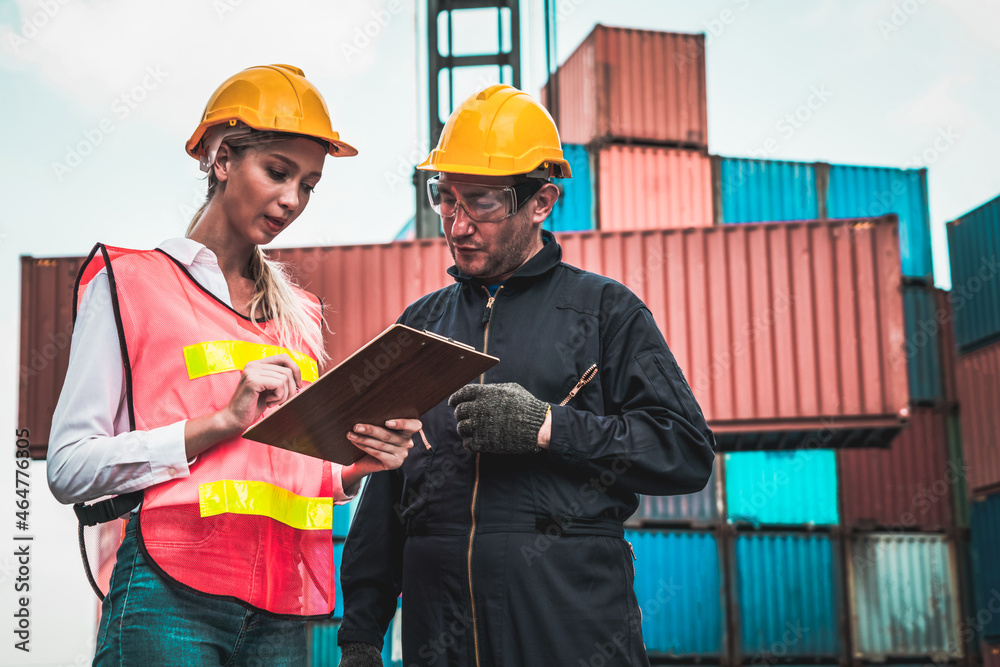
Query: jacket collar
x,y
540,263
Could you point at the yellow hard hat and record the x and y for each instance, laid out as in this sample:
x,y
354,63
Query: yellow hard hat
x,y
499,131
277,98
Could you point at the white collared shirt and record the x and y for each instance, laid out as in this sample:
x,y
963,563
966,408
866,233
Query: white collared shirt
x,y
91,452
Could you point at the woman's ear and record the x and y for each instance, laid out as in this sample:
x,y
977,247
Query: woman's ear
x,y
223,163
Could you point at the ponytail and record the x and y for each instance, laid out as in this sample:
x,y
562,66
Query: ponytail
x,y
273,297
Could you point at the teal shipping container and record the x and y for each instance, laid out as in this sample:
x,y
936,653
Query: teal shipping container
x,y
974,246
574,210
986,564
338,555
790,487
788,597
861,192
748,190
905,597
324,652
923,345
691,508
679,587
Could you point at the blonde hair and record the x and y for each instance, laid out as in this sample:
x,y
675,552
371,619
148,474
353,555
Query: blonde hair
x,y
273,297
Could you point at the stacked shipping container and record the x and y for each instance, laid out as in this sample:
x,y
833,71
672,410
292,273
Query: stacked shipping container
x,y
794,337
974,246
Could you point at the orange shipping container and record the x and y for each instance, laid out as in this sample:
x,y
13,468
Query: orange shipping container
x,y
633,85
649,187
978,378
786,331
791,334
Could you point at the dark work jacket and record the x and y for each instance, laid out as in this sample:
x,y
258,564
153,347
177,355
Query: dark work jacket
x,y
520,559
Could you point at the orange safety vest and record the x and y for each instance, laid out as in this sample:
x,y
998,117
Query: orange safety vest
x,y
251,523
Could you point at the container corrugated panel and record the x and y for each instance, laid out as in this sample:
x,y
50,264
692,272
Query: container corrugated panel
x,y
758,190
788,487
905,598
574,210
974,247
978,379
341,520
910,485
991,654
46,332
946,319
679,587
338,556
788,596
791,334
956,462
861,192
923,346
366,288
640,85
649,187
692,508
986,564
323,648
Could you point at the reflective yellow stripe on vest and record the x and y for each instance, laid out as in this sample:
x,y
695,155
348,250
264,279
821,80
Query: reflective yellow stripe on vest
x,y
219,356
263,499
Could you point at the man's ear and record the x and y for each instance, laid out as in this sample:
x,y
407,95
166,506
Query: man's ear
x,y
545,199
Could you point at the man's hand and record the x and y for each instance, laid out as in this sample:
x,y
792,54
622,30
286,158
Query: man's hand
x,y
359,654
499,418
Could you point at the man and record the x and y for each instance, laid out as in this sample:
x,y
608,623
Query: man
x,y
505,535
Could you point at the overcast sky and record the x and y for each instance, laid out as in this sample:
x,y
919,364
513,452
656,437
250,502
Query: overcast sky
x,y
98,97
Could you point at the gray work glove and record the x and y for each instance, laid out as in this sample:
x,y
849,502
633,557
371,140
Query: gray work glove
x,y
498,418
359,654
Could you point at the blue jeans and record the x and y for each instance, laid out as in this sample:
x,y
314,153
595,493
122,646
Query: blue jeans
x,y
146,621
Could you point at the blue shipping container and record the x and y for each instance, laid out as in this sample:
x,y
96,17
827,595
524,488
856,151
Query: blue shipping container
x,y
974,246
788,596
338,555
574,210
923,345
986,565
797,486
678,584
868,192
700,507
766,190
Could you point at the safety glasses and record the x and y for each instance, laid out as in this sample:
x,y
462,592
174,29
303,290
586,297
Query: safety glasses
x,y
482,203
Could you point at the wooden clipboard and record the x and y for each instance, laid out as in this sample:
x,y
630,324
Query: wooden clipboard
x,y
402,373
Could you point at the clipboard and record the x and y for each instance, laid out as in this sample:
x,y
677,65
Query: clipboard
x,y
400,374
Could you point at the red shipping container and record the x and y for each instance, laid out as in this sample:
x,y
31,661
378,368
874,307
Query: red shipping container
x,y
366,288
787,331
633,85
978,380
949,349
46,333
991,655
907,486
649,187
790,333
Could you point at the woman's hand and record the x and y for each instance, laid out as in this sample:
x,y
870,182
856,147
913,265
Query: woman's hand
x,y
263,383
385,449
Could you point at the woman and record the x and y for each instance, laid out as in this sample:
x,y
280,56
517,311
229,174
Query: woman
x,y
175,352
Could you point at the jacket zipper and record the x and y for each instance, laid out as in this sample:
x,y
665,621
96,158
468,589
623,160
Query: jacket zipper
x,y
475,486
587,376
